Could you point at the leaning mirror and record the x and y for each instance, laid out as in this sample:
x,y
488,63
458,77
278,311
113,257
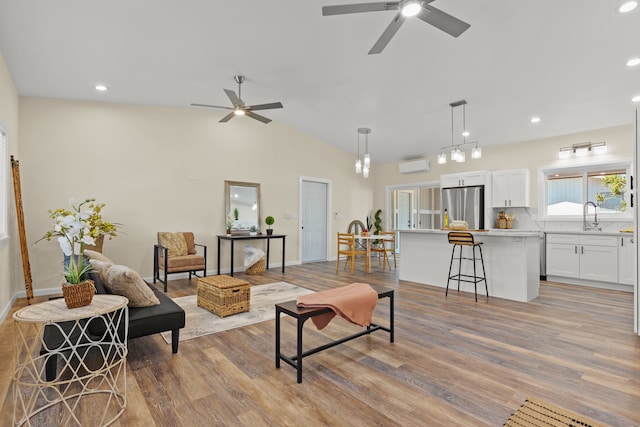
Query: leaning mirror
x,y
243,201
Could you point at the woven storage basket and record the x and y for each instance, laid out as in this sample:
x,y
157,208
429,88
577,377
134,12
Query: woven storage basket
x,y
257,268
224,295
78,295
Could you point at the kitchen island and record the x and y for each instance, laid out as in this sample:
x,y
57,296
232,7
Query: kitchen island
x,y
511,259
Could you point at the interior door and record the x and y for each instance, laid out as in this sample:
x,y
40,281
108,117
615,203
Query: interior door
x,y
404,210
314,221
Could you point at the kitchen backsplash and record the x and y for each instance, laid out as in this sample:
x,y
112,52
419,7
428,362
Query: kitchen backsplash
x,y
527,219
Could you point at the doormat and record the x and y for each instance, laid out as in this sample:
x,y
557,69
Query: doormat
x,y
535,412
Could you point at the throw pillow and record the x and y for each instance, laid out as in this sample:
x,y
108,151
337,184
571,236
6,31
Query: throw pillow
x,y
191,243
128,283
97,256
101,269
174,242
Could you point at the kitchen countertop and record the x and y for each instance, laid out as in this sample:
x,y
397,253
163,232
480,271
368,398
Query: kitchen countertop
x,y
489,232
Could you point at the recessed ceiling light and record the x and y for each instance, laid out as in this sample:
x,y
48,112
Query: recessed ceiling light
x,y
535,119
635,98
633,62
101,88
627,6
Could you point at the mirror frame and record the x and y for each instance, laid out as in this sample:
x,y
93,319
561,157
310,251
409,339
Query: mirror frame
x,y
227,195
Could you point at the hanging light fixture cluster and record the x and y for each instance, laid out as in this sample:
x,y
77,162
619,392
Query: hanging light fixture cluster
x,y
362,166
457,153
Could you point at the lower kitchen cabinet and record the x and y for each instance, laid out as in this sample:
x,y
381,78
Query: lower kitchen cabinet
x,y
626,260
587,256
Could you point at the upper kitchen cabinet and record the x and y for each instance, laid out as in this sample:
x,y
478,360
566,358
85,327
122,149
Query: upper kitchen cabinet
x,y
463,179
511,188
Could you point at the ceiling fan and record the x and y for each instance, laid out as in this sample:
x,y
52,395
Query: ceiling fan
x,y
239,109
407,8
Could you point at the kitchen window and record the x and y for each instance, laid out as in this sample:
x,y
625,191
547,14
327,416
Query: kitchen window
x,y
568,189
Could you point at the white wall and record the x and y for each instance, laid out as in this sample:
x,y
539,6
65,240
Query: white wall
x,y
140,162
10,264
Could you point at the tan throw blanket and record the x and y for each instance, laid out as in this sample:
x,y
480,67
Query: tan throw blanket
x,y
354,302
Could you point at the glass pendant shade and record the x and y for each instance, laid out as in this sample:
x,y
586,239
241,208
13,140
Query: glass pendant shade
x,y
367,160
365,172
442,159
461,156
476,153
358,166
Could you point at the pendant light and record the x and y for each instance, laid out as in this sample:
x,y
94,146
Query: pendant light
x,y
457,152
363,166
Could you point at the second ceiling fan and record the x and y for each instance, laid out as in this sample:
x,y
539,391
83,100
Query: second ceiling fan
x,y
406,8
239,108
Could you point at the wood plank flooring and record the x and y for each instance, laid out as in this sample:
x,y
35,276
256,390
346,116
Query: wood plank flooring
x,y
454,363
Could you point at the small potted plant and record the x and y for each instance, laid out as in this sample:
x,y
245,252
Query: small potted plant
x,y
229,223
235,213
75,228
269,221
253,231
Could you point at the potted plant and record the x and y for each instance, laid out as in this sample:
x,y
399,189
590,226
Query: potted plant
x,y
253,231
235,213
229,223
76,228
269,221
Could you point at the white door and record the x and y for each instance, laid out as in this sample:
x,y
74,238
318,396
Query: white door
x,y
404,218
314,232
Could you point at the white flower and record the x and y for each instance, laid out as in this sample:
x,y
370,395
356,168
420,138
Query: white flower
x,y
65,245
73,201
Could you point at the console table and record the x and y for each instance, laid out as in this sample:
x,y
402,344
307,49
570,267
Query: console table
x,y
303,314
267,237
90,386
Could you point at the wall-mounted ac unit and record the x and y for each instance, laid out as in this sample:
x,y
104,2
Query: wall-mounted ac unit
x,y
414,166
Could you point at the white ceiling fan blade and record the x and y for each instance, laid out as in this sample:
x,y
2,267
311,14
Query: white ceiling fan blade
x,y
359,8
443,21
265,106
211,106
386,36
263,119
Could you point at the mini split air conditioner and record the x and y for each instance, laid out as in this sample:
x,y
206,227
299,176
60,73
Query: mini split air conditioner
x,y
414,166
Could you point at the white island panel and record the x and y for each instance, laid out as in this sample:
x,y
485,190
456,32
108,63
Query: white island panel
x,y
512,262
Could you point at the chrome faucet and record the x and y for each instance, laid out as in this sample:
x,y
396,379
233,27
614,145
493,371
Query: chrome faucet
x,y
595,223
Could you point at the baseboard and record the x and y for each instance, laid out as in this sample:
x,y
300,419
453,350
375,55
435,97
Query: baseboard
x,y
23,294
591,283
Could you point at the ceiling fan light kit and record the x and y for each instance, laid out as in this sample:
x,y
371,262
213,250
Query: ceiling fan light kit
x,y
239,108
457,154
406,9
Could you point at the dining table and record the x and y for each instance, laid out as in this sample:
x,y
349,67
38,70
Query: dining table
x,y
369,238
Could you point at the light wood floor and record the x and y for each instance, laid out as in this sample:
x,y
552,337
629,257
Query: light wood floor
x,y
454,362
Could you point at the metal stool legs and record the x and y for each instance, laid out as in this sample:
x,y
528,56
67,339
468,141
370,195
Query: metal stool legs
x,y
466,277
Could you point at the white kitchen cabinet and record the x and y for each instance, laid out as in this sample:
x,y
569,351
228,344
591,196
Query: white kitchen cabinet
x,y
626,260
511,188
463,179
583,256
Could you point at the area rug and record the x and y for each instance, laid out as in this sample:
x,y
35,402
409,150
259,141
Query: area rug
x,y
200,321
536,412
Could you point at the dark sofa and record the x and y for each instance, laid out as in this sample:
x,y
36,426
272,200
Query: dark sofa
x,y
167,316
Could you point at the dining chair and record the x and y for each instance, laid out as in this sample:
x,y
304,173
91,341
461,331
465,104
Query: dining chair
x,y
347,246
357,227
385,247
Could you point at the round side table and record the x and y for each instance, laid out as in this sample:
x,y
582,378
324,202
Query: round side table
x,y
70,364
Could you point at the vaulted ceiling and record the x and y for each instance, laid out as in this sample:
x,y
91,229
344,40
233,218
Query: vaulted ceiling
x,y
561,60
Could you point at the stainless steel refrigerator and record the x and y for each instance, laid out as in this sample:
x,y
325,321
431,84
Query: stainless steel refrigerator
x,y
465,204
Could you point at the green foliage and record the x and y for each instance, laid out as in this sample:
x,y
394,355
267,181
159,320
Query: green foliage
x,y
235,213
253,229
269,221
378,222
617,184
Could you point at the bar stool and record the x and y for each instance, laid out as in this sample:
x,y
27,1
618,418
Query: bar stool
x,y
458,238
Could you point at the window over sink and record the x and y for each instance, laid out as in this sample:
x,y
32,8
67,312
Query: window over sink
x,y
566,190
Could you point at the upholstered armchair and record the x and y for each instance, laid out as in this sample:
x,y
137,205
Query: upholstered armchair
x,y
178,253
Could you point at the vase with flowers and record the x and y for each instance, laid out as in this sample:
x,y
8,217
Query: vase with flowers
x,y
75,228
230,218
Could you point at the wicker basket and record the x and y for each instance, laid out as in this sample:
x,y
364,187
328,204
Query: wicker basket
x,y
224,295
257,268
78,295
